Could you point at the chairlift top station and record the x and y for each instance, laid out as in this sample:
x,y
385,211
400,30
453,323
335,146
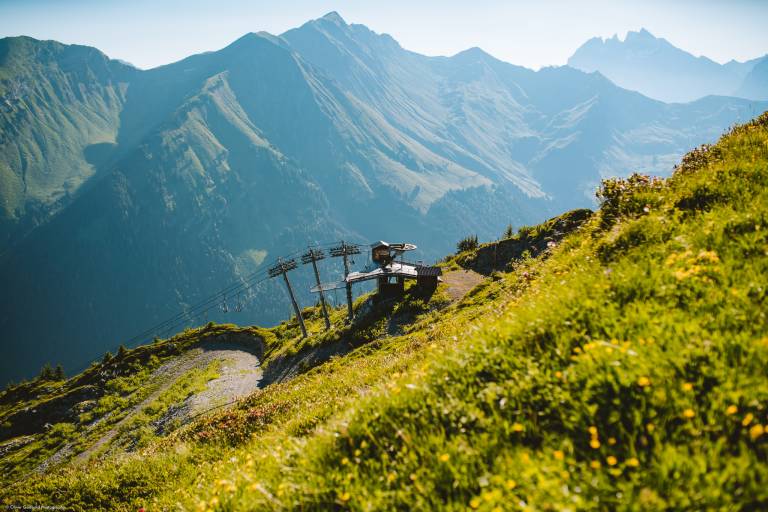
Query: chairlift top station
x,y
390,271
387,267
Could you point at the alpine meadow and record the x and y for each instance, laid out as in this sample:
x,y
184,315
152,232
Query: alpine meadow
x,y
320,271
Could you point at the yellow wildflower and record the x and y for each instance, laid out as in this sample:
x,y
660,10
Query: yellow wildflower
x,y
592,430
344,496
643,382
633,462
689,413
344,461
559,455
444,457
518,427
731,410
756,431
474,502
650,427
595,464
391,477
413,477
611,441
747,419
559,374
511,484
687,386
594,443
611,460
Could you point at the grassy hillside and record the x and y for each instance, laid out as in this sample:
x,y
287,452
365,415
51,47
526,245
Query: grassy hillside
x,y
623,368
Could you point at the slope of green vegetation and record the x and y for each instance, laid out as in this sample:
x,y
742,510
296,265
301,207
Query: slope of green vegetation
x,y
625,370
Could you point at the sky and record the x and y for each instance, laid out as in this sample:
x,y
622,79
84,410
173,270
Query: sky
x,y
148,33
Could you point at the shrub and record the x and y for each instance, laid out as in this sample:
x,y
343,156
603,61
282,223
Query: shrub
x,y
47,373
627,197
467,244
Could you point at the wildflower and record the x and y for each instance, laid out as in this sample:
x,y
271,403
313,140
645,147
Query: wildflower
x,y
747,419
647,208
344,461
444,457
558,454
511,484
689,413
344,496
687,386
592,430
731,410
756,431
594,443
518,427
611,441
611,460
559,374
632,462
650,427
643,382
391,477
474,503
413,477
595,464
357,453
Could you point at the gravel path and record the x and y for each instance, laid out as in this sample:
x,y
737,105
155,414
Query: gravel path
x,y
240,374
460,282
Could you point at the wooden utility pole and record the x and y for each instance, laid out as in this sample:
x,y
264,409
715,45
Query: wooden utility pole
x,y
345,250
313,256
283,267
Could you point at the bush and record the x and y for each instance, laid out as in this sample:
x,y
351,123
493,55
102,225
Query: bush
x,y
467,244
627,197
47,373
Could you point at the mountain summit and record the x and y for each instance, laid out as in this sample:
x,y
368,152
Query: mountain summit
x,y
656,68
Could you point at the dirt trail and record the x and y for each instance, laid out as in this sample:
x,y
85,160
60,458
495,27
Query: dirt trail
x,y
460,282
240,375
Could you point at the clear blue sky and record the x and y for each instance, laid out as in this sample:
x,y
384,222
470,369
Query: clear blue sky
x,y
148,33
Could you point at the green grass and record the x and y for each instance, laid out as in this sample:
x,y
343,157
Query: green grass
x,y
625,371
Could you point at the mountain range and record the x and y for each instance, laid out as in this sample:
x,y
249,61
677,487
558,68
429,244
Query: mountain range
x,y
126,195
658,69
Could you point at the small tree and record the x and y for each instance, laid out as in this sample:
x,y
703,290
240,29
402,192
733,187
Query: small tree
x,y
121,351
107,357
467,244
509,232
58,373
46,373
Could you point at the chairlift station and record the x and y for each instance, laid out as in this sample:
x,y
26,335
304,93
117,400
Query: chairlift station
x,y
390,271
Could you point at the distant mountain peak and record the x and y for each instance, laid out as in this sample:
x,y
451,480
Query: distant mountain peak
x,y
334,17
658,69
474,53
643,33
